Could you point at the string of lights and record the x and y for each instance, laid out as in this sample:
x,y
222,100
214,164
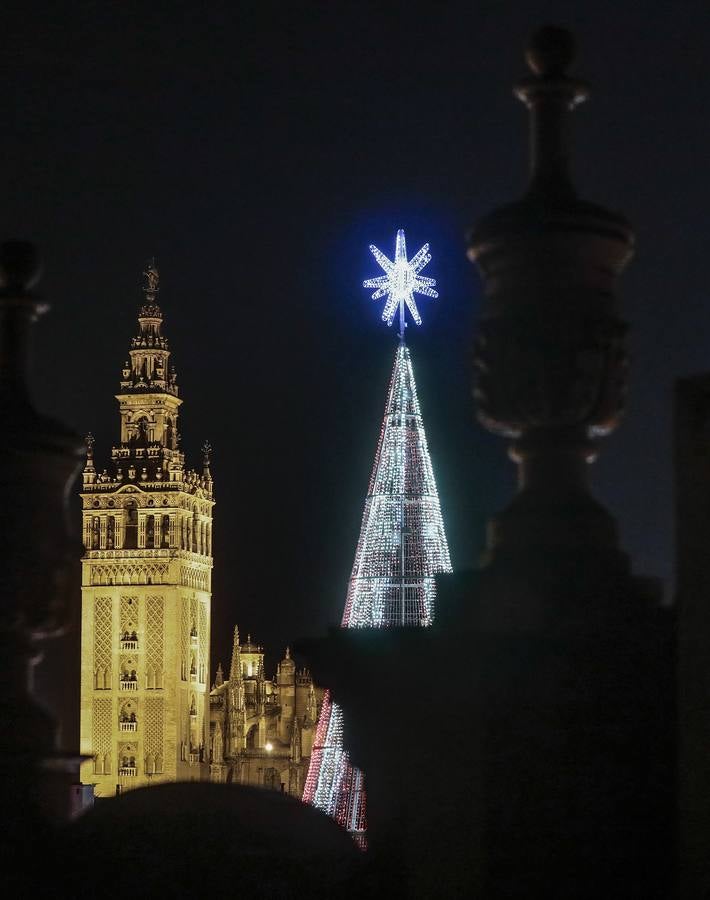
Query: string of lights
x,y
402,543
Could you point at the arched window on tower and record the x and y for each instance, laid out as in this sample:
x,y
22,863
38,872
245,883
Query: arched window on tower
x,y
170,434
130,521
142,430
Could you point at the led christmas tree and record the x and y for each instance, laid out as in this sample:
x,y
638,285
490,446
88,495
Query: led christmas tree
x,y
402,543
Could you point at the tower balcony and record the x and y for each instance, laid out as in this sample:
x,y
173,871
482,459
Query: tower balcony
x,y
128,685
129,771
129,644
128,726
195,757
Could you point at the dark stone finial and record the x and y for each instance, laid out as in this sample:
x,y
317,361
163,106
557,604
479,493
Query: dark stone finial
x,y
550,51
551,364
20,267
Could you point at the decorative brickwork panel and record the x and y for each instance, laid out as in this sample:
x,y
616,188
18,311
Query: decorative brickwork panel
x,y
154,627
129,615
101,731
198,579
203,641
185,638
102,643
154,735
129,573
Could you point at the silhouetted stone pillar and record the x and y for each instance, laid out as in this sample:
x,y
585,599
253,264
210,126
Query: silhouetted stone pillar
x,y
578,704
38,458
692,528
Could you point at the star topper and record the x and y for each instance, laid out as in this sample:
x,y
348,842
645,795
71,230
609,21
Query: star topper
x,y
401,281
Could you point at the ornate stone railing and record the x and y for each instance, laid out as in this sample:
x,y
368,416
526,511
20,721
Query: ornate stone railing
x,y
128,726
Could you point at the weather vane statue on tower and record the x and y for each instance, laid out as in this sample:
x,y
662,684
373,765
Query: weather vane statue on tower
x,y
152,278
401,281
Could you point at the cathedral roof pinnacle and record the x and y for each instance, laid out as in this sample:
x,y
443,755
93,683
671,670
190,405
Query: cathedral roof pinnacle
x,y
89,474
89,441
235,669
206,458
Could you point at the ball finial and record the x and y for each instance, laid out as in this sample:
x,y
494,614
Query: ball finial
x,y
550,51
20,266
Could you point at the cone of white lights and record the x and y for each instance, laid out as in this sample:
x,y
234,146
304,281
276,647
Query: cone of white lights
x,y
402,544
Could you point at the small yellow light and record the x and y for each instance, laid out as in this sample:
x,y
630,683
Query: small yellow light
x,y
269,747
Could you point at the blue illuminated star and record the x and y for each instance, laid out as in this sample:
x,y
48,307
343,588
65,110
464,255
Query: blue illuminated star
x,y
401,281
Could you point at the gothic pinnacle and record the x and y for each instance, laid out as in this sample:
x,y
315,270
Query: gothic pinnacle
x,y
206,457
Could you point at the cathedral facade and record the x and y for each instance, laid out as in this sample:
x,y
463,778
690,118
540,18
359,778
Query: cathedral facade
x,y
262,729
146,584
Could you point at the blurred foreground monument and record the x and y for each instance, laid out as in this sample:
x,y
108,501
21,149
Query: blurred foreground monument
x,y
532,755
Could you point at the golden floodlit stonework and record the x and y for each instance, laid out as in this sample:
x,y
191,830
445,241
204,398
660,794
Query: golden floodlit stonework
x,y
262,729
146,585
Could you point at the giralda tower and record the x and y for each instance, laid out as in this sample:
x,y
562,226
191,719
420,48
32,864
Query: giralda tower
x,y
146,583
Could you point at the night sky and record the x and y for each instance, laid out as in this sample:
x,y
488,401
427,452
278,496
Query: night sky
x,y
256,150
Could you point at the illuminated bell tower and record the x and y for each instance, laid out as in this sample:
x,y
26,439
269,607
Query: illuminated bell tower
x,y
146,584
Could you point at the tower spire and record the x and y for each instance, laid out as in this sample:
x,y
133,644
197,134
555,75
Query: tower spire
x,y
148,398
235,668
